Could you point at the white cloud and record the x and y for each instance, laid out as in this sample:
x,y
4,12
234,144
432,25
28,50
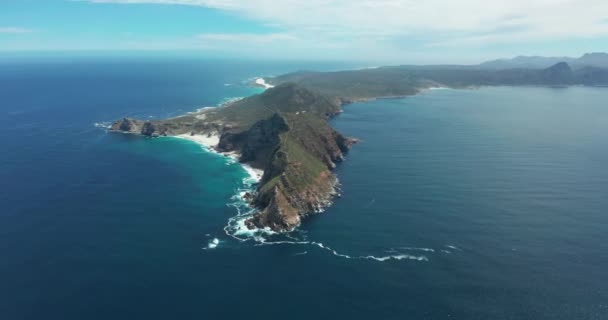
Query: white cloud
x,y
547,17
244,38
397,27
15,30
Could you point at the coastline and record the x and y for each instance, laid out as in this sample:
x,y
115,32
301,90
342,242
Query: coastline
x,y
281,207
261,82
236,227
210,143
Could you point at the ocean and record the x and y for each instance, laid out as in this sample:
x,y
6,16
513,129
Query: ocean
x,y
457,204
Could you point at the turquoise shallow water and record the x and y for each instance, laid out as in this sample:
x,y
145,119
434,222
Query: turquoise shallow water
x,y
494,199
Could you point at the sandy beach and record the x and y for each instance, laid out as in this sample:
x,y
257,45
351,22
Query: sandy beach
x,y
262,83
210,142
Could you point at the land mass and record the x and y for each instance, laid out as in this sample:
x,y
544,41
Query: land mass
x,y
595,59
285,131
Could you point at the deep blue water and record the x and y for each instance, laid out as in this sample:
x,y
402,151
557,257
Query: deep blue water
x,y
496,199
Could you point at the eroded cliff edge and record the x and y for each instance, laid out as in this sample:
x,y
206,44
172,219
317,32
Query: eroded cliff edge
x,y
283,131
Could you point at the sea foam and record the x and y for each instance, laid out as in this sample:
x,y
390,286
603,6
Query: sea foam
x,y
213,243
103,125
262,83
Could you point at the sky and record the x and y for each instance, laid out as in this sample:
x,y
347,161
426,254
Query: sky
x,y
396,31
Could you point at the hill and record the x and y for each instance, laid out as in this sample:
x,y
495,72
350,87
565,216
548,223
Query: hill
x,y
596,59
283,131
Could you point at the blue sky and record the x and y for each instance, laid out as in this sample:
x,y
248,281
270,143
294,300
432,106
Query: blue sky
x,y
401,31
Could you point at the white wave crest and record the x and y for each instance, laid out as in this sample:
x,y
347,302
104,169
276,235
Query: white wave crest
x,y
103,125
417,249
262,83
453,247
400,256
254,174
397,257
237,229
213,243
230,100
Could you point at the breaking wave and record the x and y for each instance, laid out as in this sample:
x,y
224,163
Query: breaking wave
x,y
213,243
237,229
230,100
103,125
399,256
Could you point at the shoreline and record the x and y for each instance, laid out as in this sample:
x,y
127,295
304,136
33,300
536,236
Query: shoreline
x,y
260,82
210,143
236,226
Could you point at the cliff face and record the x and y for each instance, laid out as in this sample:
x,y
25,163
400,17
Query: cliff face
x,y
284,205
283,131
256,144
146,128
297,152
297,179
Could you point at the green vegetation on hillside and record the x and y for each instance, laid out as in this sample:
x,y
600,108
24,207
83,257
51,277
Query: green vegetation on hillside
x,y
409,80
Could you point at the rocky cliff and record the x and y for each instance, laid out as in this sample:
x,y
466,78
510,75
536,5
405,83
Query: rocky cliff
x,y
297,177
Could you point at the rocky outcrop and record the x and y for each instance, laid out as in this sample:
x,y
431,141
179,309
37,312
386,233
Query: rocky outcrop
x,y
127,125
146,128
297,179
256,144
283,207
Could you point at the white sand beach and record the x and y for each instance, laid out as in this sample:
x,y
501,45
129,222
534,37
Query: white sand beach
x,y
262,83
210,142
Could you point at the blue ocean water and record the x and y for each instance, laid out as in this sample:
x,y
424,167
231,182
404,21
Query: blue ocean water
x,y
493,200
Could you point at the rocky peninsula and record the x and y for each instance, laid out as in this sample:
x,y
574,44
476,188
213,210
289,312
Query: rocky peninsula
x,y
285,131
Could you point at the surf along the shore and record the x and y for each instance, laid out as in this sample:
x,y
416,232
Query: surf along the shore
x,y
236,228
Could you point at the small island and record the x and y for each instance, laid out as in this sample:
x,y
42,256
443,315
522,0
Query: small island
x,y
285,133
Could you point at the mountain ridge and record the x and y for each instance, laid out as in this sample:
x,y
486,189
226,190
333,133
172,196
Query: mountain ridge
x,y
593,59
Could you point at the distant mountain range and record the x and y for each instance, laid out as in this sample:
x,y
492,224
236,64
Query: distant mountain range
x,y
596,59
